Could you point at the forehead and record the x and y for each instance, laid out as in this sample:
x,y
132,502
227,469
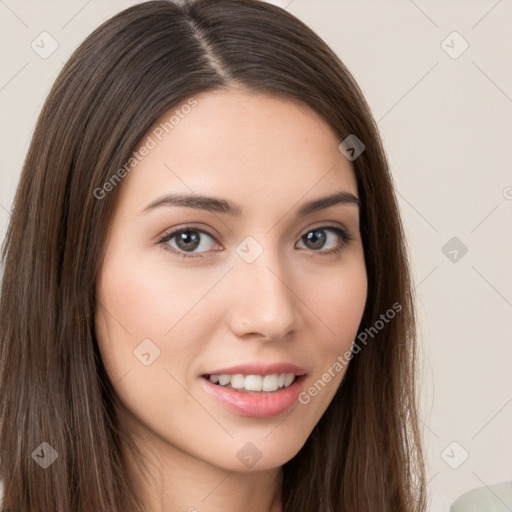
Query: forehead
x,y
251,147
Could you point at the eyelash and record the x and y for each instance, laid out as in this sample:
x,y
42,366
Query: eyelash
x,y
346,238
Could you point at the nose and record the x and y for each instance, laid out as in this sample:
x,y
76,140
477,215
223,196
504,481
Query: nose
x,y
264,300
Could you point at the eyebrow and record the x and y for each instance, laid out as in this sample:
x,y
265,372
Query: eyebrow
x,y
219,205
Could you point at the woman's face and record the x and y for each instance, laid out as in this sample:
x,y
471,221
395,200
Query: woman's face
x,y
257,290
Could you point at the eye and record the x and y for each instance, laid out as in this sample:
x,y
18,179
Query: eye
x,y
187,239
190,238
316,238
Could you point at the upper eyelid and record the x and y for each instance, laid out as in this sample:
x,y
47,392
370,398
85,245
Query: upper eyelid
x,y
171,233
191,227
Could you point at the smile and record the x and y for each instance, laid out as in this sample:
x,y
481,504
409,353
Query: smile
x,y
253,399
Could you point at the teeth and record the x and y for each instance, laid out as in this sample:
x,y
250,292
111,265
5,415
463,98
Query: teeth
x,y
237,381
271,382
254,382
288,380
224,379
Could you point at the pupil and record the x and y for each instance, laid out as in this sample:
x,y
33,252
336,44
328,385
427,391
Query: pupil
x,y
317,239
185,239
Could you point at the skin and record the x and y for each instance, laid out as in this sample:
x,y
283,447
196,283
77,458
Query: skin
x,y
294,303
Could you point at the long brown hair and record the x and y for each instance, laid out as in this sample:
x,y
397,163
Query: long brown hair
x,y
365,454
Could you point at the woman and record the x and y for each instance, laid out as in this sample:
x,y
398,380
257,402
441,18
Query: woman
x,y
206,301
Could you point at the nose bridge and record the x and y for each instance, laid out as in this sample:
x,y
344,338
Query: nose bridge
x,y
265,303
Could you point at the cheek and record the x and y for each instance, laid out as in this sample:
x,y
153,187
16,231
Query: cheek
x,y
351,300
340,304
149,297
148,311
143,298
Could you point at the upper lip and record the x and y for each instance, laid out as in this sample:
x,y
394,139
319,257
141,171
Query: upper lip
x,y
260,369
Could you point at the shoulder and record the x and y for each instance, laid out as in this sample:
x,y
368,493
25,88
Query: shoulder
x,y
493,498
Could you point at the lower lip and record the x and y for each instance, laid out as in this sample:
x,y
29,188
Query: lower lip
x,y
261,405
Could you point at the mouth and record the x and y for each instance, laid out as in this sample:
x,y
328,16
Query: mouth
x,y
252,383
255,395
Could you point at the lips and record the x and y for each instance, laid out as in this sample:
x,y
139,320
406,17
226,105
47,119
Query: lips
x,y
260,390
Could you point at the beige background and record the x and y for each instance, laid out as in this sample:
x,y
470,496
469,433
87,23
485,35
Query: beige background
x,y
446,124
